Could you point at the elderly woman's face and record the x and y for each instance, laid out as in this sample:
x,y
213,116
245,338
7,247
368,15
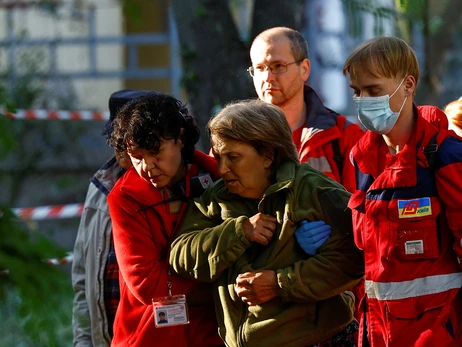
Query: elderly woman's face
x,y
162,168
244,171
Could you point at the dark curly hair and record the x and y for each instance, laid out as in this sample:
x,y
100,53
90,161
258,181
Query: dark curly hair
x,y
146,121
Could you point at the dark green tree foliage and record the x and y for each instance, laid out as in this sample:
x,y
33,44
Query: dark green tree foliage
x,y
215,56
438,24
39,286
36,288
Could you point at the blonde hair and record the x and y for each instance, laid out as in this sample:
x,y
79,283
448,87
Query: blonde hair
x,y
385,56
259,124
453,111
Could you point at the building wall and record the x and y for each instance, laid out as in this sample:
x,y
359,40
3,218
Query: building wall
x,y
153,17
38,23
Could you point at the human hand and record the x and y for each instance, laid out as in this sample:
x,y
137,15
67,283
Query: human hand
x,y
311,235
260,228
257,287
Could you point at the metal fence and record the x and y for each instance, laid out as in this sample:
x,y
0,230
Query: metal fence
x,y
93,41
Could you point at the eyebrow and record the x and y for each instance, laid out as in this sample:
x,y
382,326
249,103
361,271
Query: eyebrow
x,y
228,152
271,62
370,86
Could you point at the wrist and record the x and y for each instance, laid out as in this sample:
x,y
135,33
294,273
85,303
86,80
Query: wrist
x,y
240,230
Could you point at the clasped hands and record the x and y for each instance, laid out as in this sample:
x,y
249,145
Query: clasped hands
x,y
257,287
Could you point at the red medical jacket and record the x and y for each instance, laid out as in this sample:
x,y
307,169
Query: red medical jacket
x,y
408,221
142,234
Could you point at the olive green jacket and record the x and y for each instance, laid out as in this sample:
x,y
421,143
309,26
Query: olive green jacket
x,y
314,303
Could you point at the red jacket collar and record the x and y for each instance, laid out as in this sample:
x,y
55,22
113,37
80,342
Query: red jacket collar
x,y
400,169
206,163
144,192
371,150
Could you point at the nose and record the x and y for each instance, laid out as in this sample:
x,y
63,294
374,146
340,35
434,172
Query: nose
x,y
222,167
267,75
148,164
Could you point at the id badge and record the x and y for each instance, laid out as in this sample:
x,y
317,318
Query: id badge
x,y
170,311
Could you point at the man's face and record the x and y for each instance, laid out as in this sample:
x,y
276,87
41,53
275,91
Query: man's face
x,y
280,89
366,84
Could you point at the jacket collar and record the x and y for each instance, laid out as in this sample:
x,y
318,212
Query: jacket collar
x,y
400,169
145,193
318,116
206,163
320,126
284,177
106,177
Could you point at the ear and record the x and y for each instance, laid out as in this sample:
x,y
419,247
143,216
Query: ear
x,y
181,137
409,85
305,67
123,159
267,161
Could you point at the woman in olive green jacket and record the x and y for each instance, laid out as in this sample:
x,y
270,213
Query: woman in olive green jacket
x,y
240,234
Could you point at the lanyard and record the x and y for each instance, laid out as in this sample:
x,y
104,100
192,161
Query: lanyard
x,y
176,225
178,218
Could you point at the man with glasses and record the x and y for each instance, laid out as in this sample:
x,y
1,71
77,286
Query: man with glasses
x,y
280,68
324,138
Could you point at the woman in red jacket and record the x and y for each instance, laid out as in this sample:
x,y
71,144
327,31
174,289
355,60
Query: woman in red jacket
x,y
146,205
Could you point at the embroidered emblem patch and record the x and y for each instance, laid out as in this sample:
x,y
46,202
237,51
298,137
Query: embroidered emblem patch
x,y
205,180
414,208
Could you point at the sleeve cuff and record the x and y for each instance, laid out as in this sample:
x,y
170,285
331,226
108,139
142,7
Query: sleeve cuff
x,y
240,232
283,285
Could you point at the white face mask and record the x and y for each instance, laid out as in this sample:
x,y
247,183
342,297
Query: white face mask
x,y
375,112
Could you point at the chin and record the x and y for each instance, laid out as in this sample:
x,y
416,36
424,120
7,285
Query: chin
x,y
233,190
158,185
274,100
268,98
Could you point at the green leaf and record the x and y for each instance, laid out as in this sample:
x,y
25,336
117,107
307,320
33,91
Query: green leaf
x,y
39,287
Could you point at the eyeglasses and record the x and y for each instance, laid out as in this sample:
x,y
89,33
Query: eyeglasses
x,y
276,68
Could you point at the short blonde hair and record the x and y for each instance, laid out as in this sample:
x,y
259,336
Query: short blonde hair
x,y
385,56
453,111
259,124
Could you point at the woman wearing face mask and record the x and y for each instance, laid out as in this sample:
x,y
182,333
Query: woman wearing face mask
x,y
407,213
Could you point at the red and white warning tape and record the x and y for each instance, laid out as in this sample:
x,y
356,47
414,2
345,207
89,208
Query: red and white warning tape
x,y
56,261
49,212
56,211
69,258
58,114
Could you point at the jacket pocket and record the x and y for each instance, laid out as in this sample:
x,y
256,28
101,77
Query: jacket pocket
x,y
417,240
415,237
422,320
